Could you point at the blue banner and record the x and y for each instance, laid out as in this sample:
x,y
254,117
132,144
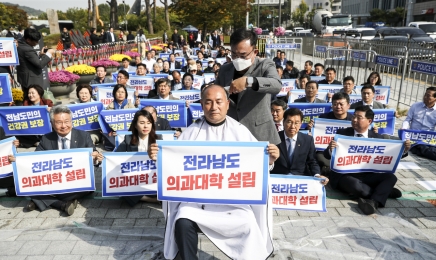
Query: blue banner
x,y
116,120
384,119
355,98
287,46
195,112
85,115
424,67
28,120
387,61
418,136
115,75
311,110
5,88
164,56
172,110
181,60
358,55
320,48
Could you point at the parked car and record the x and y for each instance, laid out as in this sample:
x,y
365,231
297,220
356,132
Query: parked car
x,y
428,27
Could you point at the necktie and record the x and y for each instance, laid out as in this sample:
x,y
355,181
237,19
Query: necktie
x,y
64,144
277,127
290,149
359,135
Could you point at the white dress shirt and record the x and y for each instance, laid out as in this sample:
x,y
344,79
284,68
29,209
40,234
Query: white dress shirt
x,y
167,98
67,142
279,125
143,144
365,134
370,105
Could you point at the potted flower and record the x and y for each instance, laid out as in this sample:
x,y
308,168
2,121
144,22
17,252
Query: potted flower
x,y
132,54
257,30
62,83
110,65
119,57
17,96
279,31
86,72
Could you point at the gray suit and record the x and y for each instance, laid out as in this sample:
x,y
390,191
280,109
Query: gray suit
x,y
375,105
29,72
303,100
253,107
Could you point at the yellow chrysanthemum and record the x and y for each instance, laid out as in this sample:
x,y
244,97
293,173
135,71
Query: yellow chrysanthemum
x,y
81,69
119,57
17,94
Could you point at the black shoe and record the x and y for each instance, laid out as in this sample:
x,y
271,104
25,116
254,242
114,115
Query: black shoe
x,y
395,194
11,192
75,203
68,207
31,206
367,206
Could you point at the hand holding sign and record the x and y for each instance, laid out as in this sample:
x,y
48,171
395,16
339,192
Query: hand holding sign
x,y
153,149
273,152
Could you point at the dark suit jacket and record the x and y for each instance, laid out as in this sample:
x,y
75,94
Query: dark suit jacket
x,y
375,105
29,72
79,139
303,100
2,133
125,146
177,65
335,82
303,161
162,124
331,115
349,131
216,40
95,39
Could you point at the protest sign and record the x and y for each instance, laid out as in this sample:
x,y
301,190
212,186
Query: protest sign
x,y
85,115
198,81
213,172
384,119
208,77
355,98
418,136
213,53
143,84
6,148
104,95
293,192
172,110
329,88
115,75
311,111
166,135
220,60
116,120
187,95
381,93
180,59
128,174
195,112
26,120
287,85
357,154
157,76
300,93
5,88
324,130
8,52
53,172
317,78
164,56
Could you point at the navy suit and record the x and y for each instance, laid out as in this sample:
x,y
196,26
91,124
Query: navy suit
x,y
303,160
368,185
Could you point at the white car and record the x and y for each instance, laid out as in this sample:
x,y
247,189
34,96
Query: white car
x,y
428,27
361,33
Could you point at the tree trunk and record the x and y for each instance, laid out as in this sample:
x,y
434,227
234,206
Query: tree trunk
x,y
94,14
167,15
89,14
148,13
113,18
154,10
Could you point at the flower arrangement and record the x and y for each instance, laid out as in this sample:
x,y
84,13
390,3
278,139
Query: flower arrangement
x,y
156,47
119,57
278,31
258,30
105,63
82,69
134,49
132,54
17,95
63,76
72,51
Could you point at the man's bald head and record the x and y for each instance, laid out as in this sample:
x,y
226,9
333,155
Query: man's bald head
x,y
215,103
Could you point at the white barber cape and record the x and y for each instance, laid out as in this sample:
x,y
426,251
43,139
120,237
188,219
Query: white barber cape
x,y
239,231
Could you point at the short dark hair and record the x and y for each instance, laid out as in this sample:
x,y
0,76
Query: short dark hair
x,y
279,67
369,86
349,78
312,82
141,65
32,34
310,62
125,73
293,112
305,76
176,71
319,65
279,103
432,89
290,63
38,89
378,76
330,69
117,87
369,114
100,66
187,75
162,80
241,35
218,64
125,59
82,86
341,95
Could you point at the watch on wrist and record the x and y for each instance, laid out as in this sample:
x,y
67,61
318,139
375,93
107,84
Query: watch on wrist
x,y
250,82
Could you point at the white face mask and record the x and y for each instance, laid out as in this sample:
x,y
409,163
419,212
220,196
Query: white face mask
x,y
160,64
210,65
241,64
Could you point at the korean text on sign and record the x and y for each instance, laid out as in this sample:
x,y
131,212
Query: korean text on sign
x,y
85,116
8,52
6,147
142,84
127,174
356,154
116,120
208,172
297,193
104,95
311,111
174,111
196,112
287,85
27,120
418,136
54,172
324,131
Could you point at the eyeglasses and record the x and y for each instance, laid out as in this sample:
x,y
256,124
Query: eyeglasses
x,y
290,123
119,77
59,123
358,118
234,56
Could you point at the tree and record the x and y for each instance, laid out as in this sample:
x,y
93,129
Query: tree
x,y
148,14
104,11
12,15
79,17
377,15
167,15
298,16
113,16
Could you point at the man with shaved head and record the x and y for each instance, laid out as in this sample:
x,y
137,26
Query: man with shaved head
x,y
184,220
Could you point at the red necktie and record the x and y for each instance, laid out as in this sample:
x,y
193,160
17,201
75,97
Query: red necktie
x,y
277,126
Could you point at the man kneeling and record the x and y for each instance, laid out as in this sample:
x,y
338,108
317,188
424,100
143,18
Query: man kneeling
x,y
239,231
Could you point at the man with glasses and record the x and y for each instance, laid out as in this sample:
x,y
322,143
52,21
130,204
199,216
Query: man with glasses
x,y
348,86
368,93
372,189
311,90
251,83
340,105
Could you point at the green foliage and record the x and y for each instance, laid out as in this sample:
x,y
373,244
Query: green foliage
x,y
28,10
61,16
12,16
52,40
45,30
377,15
299,15
79,17
393,18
